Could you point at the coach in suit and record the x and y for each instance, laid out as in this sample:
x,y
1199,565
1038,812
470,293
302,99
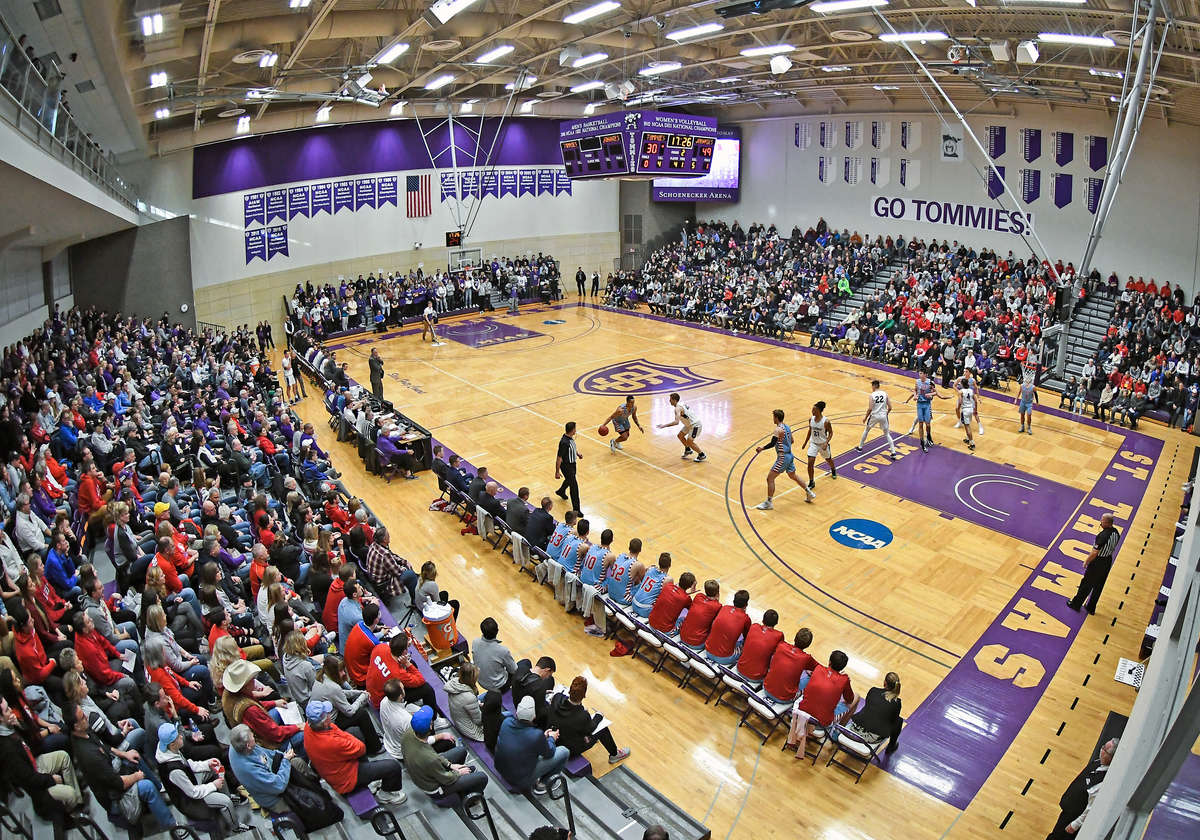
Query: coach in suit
x,y
489,502
478,484
376,365
1079,795
540,525
516,513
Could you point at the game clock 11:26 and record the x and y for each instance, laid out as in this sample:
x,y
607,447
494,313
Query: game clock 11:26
x,y
453,238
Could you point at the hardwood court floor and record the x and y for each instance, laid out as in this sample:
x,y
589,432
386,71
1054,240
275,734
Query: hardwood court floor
x,y
915,607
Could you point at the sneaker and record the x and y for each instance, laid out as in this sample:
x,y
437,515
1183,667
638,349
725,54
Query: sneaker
x,y
958,425
241,827
701,457
858,448
809,495
375,786
912,428
923,447
617,444
560,494
687,453
612,446
967,441
593,629
619,755
832,471
765,504
1029,431
1021,431
812,483
539,789
971,446
391,797
893,455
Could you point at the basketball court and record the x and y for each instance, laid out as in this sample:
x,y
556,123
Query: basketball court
x,y
949,567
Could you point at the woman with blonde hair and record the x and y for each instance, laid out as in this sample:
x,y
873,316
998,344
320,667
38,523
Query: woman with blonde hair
x,y
880,715
178,660
184,620
226,652
298,667
279,606
76,690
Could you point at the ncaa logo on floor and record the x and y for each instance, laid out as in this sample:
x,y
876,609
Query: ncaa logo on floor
x,y
860,533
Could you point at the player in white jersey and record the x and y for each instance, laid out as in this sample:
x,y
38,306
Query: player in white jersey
x,y
969,381
820,435
966,409
690,431
879,406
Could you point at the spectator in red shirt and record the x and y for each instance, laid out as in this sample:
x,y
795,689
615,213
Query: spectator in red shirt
x,y
392,660
340,758
728,628
337,591
360,643
827,698
672,601
786,676
759,646
698,622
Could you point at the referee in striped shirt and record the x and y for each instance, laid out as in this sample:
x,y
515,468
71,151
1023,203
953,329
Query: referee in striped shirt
x,y
1097,566
564,466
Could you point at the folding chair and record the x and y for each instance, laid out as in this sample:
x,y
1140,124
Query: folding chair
x,y
731,680
769,712
522,556
485,526
816,740
648,638
855,747
704,670
676,656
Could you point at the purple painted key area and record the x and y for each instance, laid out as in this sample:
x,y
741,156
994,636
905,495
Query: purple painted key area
x,y
965,486
960,733
1178,812
484,332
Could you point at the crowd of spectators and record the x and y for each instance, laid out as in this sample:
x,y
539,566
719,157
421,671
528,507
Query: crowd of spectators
x,y
943,306
387,299
1148,361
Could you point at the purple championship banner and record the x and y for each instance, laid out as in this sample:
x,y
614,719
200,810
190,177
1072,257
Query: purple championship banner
x,y
1092,188
723,181
1031,144
364,193
276,205
995,181
1097,151
638,142
1031,185
299,201
960,733
997,139
254,209
1064,147
1061,185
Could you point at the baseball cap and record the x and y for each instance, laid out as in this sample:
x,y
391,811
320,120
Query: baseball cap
x,y
316,710
167,733
422,720
160,508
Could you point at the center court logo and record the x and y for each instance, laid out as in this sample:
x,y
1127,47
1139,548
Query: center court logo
x,y
860,533
639,376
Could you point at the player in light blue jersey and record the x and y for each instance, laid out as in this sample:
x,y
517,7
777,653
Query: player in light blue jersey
x,y
924,390
561,531
592,568
1025,401
784,462
570,556
618,580
622,416
651,585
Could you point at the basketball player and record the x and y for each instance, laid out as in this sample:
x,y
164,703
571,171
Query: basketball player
x,y
879,406
1025,401
428,319
690,431
290,387
624,414
651,585
618,579
972,383
924,390
820,434
966,409
784,462
591,570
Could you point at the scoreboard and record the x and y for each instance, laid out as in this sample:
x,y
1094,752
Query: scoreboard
x,y
638,143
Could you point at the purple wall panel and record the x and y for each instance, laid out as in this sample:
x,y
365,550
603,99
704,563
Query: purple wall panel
x,y
363,148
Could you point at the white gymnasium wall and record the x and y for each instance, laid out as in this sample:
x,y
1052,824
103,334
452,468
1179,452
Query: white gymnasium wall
x,y
1154,229
581,228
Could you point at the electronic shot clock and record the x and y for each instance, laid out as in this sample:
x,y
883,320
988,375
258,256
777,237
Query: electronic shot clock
x,y
636,143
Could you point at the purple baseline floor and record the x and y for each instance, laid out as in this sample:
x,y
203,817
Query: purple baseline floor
x,y
966,486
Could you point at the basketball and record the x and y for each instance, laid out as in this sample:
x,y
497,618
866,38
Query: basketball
x,y
603,430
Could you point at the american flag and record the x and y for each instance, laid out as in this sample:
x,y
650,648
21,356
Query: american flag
x,y
418,202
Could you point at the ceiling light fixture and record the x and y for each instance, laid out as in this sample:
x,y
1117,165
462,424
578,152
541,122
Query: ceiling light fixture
x,y
243,125
662,67
466,107
390,53
590,12
323,113
593,58
590,109
886,87
152,24
162,113
586,86
1047,2
268,60
829,6
397,109
494,53
526,82
440,82
443,10
1107,74
773,49
158,79
299,4
697,30
728,80
836,68
907,37
527,106
1066,38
